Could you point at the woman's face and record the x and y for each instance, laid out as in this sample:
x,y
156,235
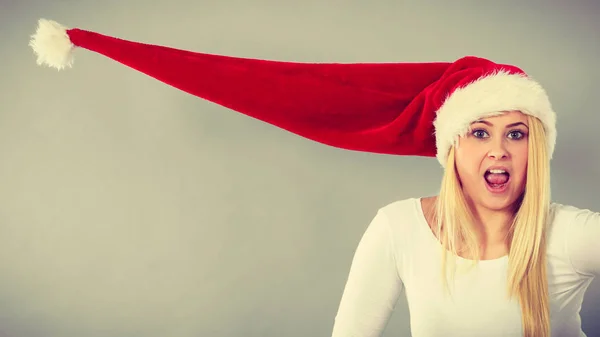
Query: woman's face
x,y
491,160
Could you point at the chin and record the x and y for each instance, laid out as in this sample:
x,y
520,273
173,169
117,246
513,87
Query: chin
x,y
497,204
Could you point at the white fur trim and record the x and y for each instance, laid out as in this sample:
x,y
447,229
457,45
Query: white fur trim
x,y
489,96
52,45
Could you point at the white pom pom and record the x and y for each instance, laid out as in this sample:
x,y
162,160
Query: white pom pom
x,y
52,45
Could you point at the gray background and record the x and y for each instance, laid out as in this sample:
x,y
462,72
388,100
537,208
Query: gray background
x,y
129,208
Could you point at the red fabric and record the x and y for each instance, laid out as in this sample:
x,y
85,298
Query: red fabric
x,y
385,108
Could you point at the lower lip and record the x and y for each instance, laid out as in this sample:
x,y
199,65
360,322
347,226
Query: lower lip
x,y
497,190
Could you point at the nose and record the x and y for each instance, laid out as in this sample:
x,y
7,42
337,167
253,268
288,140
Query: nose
x,y
498,149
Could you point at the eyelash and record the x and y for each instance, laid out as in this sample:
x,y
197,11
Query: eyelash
x,y
521,133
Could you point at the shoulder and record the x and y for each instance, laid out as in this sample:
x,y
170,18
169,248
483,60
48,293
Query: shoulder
x,y
404,218
564,220
402,210
564,216
395,228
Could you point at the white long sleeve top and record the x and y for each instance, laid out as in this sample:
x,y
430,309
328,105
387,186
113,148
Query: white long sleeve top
x,y
399,254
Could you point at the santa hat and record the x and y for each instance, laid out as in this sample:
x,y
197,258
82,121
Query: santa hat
x,y
411,109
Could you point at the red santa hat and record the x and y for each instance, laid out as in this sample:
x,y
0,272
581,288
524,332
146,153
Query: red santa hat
x,y
410,109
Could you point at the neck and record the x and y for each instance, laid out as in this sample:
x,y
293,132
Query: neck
x,y
493,225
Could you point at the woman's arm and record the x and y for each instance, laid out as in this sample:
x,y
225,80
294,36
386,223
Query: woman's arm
x,y
373,284
583,241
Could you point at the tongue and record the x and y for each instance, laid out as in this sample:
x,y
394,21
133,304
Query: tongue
x,y
496,178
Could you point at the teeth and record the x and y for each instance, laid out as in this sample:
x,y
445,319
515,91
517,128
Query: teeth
x,y
497,171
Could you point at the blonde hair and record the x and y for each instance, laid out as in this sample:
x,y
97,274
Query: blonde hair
x,y
527,279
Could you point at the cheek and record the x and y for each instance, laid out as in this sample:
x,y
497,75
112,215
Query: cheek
x,y
468,164
465,168
520,156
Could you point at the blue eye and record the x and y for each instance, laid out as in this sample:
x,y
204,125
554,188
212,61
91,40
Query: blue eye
x,y
516,135
479,133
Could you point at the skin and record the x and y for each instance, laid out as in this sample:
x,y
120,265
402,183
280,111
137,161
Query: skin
x,y
499,140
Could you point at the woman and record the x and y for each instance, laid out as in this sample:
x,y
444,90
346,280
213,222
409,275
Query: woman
x,y
543,255
490,255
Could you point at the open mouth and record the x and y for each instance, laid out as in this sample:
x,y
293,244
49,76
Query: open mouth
x,y
496,179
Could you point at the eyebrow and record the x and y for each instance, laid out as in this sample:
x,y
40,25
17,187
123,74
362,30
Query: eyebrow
x,y
508,126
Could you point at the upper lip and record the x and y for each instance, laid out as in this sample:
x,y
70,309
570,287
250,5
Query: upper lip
x,y
498,167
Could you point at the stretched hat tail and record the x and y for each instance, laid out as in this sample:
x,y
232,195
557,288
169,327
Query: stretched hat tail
x,y
389,108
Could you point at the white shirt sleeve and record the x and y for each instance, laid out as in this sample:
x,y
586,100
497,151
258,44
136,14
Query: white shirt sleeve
x,y
373,284
583,242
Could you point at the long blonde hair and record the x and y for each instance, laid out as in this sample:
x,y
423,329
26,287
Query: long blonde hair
x,y
527,280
